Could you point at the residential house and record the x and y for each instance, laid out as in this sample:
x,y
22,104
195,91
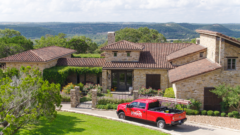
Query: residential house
x,y
193,70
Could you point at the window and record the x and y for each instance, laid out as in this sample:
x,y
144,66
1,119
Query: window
x,y
231,64
201,54
115,54
128,54
154,105
142,105
2,65
134,104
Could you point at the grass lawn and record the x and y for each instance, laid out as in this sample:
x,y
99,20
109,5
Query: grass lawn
x,y
74,124
87,55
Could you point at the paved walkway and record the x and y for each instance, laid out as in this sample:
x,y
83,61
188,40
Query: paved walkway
x,y
185,129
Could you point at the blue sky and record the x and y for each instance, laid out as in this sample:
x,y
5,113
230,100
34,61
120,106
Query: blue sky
x,y
192,11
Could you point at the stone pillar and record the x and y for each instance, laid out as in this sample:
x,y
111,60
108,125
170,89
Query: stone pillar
x,y
135,94
75,98
94,98
104,81
109,79
77,89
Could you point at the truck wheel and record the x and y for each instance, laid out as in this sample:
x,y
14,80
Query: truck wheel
x,y
121,115
161,124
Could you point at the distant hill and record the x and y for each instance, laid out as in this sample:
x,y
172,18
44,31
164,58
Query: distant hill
x,y
98,31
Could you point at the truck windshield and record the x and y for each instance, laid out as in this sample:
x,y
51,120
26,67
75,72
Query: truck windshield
x,y
153,105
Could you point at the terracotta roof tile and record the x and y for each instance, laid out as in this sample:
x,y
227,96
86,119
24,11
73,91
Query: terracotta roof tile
x,y
217,34
152,56
123,45
81,62
192,69
39,55
185,51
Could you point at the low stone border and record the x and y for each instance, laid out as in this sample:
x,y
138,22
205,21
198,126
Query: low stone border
x,y
65,102
120,120
230,129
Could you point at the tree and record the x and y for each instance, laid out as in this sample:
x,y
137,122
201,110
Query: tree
x,y
25,99
9,33
230,95
92,46
140,35
12,42
78,44
50,40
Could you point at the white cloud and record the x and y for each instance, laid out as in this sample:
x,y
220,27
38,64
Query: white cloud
x,y
198,11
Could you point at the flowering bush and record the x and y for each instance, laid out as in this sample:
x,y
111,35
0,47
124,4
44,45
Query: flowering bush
x,y
150,91
88,87
68,88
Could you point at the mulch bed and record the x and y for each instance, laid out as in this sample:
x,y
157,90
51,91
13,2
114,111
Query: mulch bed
x,y
226,122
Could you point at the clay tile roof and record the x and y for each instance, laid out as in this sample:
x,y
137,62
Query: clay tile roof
x,y
217,34
192,69
81,62
185,51
39,55
152,56
123,45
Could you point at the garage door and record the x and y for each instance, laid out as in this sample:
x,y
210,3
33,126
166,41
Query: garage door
x,y
211,101
153,80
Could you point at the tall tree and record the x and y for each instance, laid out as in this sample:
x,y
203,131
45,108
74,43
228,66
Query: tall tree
x,y
78,44
92,46
25,99
50,40
13,42
140,35
9,33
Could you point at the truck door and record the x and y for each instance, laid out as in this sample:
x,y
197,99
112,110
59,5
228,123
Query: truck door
x,y
129,110
140,112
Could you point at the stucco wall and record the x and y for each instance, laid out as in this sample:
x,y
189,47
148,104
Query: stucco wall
x,y
211,43
122,56
140,77
189,58
40,65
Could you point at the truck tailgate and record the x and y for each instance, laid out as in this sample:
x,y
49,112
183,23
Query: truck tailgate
x,y
179,116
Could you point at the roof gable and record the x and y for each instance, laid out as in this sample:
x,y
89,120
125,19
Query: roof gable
x,y
123,45
214,33
185,51
39,55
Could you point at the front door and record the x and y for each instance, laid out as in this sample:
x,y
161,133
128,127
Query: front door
x,y
122,80
211,101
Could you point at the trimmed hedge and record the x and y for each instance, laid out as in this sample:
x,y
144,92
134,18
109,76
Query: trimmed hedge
x,y
216,113
210,113
223,114
230,114
235,114
196,112
60,74
203,112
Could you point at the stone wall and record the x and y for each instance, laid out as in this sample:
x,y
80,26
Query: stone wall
x,y
122,56
40,65
211,43
140,77
194,87
189,58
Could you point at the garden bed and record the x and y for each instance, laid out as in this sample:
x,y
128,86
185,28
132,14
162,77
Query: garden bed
x,y
226,122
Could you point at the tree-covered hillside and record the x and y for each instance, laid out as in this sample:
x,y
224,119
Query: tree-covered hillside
x,y
98,31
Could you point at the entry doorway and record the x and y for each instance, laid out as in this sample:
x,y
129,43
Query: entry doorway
x,y
122,79
153,81
211,100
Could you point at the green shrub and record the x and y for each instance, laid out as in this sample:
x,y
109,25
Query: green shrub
x,y
196,112
189,112
203,112
195,104
230,114
81,85
106,101
210,113
84,99
223,114
66,98
169,93
107,107
235,114
216,113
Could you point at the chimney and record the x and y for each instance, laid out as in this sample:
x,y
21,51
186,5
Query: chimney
x,y
111,37
198,41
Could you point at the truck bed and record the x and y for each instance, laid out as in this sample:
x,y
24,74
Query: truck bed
x,y
163,110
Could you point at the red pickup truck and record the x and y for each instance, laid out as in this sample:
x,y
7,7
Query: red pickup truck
x,y
151,110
